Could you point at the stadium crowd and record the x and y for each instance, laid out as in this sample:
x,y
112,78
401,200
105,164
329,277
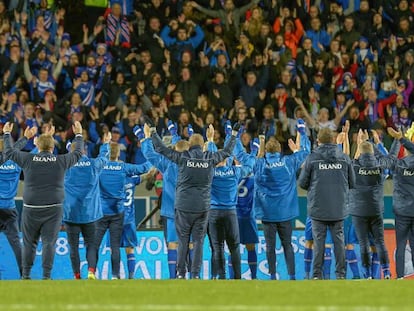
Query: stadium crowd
x,y
181,66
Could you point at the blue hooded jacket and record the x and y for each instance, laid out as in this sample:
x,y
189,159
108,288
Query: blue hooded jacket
x,y
129,206
9,183
112,183
275,193
82,202
225,185
169,172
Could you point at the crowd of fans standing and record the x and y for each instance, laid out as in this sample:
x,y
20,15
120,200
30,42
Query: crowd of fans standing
x,y
261,63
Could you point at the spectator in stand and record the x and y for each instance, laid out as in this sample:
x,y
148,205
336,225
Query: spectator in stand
x,y
320,38
43,81
117,28
184,41
349,35
291,28
230,15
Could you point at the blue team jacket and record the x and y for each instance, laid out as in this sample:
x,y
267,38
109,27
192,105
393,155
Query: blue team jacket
x,y
82,202
9,182
275,193
224,188
245,198
169,172
9,178
129,206
112,184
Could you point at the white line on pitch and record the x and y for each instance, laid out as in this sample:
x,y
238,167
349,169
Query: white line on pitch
x,y
193,307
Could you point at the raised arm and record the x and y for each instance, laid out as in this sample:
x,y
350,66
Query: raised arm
x,y
299,151
362,136
229,146
103,156
133,169
244,157
211,13
13,153
70,159
157,160
248,6
389,160
351,174
344,111
343,140
262,150
26,67
150,131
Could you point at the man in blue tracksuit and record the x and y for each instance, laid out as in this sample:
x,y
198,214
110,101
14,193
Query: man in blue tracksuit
x,y
82,206
169,172
327,175
112,187
222,218
276,200
193,192
9,183
403,200
246,217
129,232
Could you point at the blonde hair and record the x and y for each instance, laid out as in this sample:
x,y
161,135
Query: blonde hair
x,y
45,143
273,145
366,147
196,140
182,145
1,144
114,151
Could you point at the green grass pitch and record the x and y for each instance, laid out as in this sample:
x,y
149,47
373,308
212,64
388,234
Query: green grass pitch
x,y
207,295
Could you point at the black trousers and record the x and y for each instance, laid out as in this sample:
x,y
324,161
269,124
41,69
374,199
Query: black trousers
x,y
40,223
10,227
363,227
404,228
194,225
223,226
319,229
284,229
88,232
115,225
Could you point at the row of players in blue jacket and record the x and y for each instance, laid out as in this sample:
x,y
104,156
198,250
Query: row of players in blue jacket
x,y
233,189
275,200
98,196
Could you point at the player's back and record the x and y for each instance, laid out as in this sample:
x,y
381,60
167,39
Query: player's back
x,y
275,174
129,206
9,181
224,187
403,196
245,197
82,202
366,199
112,182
